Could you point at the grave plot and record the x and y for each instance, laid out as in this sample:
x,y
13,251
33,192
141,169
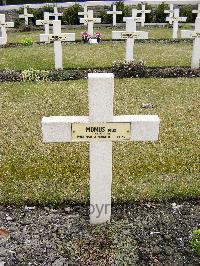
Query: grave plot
x,y
147,185
56,173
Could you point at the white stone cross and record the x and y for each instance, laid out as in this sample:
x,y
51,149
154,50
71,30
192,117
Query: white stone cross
x,y
197,11
100,128
130,35
84,13
143,11
134,17
170,12
175,19
57,35
196,45
117,35
3,26
90,20
114,12
26,15
55,13
46,22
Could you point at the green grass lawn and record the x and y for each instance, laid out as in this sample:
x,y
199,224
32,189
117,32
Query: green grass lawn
x,y
154,33
53,173
89,56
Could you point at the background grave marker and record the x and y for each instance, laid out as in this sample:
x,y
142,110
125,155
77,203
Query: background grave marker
x,y
170,12
196,45
46,22
56,14
143,11
84,13
197,11
90,20
3,26
130,35
175,20
26,16
114,13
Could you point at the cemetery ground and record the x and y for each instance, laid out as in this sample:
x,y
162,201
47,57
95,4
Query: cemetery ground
x,y
154,33
44,188
155,185
85,56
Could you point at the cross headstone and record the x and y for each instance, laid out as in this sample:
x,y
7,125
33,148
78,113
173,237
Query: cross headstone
x,y
90,20
175,20
84,13
26,15
170,12
197,11
114,12
47,38
56,37
143,11
100,129
134,17
130,35
196,45
55,13
46,22
3,26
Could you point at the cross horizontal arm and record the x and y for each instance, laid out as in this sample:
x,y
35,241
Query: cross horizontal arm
x,y
55,14
25,16
9,24
143,11
136,19
43,22
59,128
168,11
114,12
63,37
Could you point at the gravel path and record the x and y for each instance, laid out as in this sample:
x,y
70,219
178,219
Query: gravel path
x,y
147,234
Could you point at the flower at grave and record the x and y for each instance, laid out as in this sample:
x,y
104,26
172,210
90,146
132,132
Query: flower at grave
x,y
98,36
85,36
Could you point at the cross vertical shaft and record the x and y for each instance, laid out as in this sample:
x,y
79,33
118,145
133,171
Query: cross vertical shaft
x,y
196,45
57,44
101,91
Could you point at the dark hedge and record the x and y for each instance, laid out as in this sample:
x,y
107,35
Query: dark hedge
x,y
119,69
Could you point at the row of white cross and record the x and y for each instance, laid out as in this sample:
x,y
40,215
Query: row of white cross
x,y
129,35
172,13
26,15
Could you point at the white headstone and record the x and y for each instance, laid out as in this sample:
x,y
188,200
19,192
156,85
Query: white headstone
x,y
90,20
143,11
57,37
197,11
196,45
175,19
26,15
100,129
55,14
46,22
47,37
135,18
3,26
170,12
114,12
186,34
130,35
84,13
